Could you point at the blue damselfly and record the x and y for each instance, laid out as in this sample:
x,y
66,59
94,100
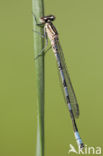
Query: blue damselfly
x,y
51,33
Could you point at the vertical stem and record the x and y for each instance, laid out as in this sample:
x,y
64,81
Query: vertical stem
x,y
38,10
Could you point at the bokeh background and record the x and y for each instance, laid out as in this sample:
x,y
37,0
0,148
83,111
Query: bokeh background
x,y
80,26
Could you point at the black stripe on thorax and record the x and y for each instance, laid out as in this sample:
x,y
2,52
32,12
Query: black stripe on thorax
x,y
52,28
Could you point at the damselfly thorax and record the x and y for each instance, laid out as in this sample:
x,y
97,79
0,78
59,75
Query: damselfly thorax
x,y
52,35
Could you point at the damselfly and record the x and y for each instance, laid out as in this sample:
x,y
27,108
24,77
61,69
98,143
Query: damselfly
x,y
51,33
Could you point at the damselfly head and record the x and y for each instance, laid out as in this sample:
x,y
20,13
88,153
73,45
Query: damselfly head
x,y
46,19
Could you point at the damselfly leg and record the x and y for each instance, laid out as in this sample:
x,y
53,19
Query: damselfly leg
x,y
43,36
46,44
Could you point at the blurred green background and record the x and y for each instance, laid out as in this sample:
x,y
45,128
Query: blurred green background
x,y
80,26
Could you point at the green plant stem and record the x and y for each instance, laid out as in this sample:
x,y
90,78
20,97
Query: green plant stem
x,y
38,10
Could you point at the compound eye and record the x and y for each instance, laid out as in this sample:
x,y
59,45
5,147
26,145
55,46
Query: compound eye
x,y
52,18
42,19
45,18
